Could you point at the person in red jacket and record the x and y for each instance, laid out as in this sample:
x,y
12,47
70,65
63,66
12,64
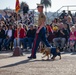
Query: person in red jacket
x,y
19,35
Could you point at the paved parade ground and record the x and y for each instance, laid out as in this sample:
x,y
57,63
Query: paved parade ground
x,y
22,66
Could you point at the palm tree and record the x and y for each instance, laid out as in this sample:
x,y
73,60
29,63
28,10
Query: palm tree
x,y
46,3
22,5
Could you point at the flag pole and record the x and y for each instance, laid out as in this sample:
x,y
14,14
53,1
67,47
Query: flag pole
x,y
17,51
17,8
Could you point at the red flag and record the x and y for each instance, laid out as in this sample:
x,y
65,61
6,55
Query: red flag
x,y
17,7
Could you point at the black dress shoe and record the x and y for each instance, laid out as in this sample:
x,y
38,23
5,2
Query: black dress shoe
x,y
32,57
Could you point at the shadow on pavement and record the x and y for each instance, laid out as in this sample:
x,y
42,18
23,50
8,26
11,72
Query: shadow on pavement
x,y
34,60
26,61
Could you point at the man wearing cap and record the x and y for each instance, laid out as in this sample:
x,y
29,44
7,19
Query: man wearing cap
x,y
40,33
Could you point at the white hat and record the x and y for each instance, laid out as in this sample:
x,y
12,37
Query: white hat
x,y
40,5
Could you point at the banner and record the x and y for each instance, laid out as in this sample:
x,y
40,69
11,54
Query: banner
x,y
17,6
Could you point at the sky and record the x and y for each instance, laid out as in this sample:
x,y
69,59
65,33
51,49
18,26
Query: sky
x,y
56,4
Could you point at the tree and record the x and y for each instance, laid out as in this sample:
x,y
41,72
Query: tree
x,y
22,5
46,3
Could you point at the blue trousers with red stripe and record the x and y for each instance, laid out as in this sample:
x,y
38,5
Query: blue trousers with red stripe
x,y
41,36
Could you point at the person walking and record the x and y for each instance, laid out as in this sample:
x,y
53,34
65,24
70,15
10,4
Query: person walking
x,y
40,33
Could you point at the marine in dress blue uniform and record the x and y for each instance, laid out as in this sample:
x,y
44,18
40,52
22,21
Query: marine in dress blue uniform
x,y
40,33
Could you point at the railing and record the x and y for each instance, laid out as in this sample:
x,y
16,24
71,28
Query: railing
x,y
72,8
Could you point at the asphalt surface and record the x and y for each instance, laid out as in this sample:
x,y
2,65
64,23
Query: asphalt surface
x,y
21,65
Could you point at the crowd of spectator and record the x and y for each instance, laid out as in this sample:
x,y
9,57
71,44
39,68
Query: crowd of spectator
x,y
63,31
14,31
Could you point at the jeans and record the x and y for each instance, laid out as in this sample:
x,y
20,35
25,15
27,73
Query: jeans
x,y
62,41
6,42
29,41
18,41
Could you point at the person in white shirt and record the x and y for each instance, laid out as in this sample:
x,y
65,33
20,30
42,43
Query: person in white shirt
x,y
8,38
